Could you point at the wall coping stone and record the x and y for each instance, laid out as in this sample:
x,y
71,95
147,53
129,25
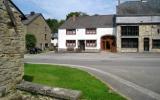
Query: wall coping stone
x,y
60,93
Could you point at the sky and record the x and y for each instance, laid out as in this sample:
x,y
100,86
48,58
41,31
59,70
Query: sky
x,y
58,9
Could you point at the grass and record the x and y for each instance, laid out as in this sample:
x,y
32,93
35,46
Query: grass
x,y
71,78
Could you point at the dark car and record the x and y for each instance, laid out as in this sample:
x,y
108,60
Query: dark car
x,y
35,50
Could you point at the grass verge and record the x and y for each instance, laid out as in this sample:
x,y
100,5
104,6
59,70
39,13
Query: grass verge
x,y
71,78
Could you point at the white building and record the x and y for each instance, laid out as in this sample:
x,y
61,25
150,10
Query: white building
x,y
54,40
87,34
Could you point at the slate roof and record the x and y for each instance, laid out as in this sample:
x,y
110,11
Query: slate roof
x,y
30,18
151,7
23,17
55,35
97,21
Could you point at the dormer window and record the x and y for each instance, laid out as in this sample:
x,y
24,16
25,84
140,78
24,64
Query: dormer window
x,y
91,31
71,32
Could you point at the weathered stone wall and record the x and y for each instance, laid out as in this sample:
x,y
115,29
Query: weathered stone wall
x,y
118,38
145,31
148,31
12,44
39,28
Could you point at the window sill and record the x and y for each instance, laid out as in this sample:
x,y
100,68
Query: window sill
x,y
155,48
91,34
129,36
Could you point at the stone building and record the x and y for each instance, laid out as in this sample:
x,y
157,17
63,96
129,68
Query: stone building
x,y
138,26
12,46
36,24
54,39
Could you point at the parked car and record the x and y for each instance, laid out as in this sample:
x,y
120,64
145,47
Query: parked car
x,y
35,50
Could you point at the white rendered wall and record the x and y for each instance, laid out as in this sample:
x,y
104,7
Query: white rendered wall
x,y
54,42
81,35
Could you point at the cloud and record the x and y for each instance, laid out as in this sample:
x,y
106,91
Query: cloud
x,y
60,8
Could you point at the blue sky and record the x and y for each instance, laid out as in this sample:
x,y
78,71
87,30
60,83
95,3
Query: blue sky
x,y
60,8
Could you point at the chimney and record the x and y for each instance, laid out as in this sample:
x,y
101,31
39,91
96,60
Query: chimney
x,y
74,18
32,13
119,2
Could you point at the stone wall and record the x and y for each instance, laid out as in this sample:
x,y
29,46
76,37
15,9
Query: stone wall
x,y
12,46
118,38
39,28
145,31
148,31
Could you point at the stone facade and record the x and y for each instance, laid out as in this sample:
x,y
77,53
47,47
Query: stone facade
x,y
39,28
145,31
12,44
148,31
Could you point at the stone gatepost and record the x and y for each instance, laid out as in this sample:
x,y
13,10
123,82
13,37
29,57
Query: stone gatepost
x,y
12,46
118,38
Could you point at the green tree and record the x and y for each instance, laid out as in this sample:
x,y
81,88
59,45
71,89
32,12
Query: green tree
x,y
30,41
61,22
77,14
53,24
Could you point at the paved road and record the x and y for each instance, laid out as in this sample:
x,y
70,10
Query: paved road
x,y
136,76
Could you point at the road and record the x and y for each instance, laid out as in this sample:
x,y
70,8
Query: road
x,y
134,75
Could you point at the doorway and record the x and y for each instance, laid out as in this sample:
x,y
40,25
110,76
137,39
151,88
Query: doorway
x,y
108,43
146,44
107,47
81,45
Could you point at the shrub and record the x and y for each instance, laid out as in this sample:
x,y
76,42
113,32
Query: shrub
x,y
30,41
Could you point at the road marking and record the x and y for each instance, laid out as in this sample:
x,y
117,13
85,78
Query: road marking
x,y
143,90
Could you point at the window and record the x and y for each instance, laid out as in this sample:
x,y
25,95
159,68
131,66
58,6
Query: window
x,y
71,31
45,37
41,45
129,42
45,29
70,43
129,30
158,31
156,43
46,45
91,31
91,43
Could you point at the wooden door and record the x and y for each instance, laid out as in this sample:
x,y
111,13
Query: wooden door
x,y
146,44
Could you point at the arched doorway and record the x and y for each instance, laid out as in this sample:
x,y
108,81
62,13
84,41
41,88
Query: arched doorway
x,y
108,43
